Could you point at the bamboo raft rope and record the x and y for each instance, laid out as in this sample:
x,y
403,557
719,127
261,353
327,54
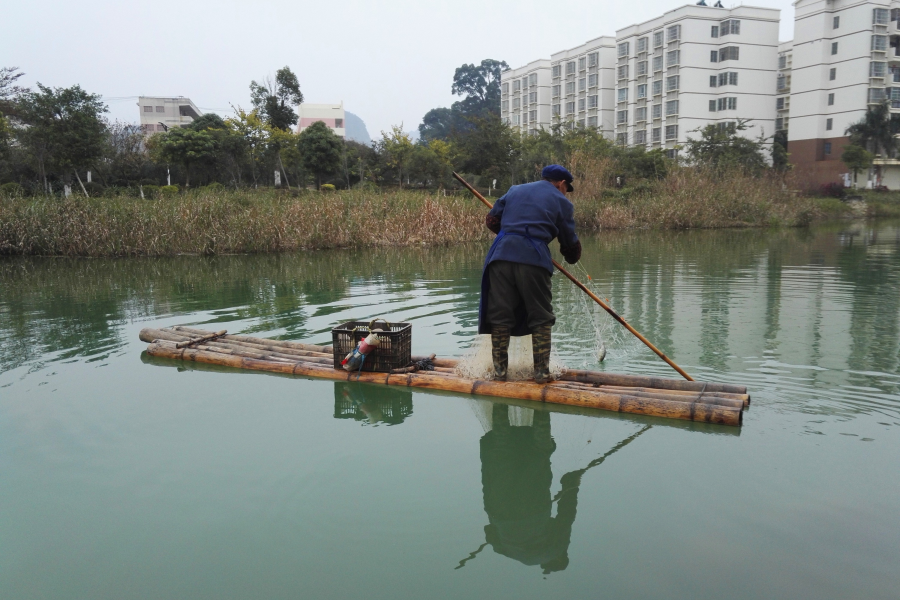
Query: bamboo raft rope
x,y
670,398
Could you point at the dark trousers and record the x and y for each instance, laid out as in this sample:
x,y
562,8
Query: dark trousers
x,y
519,293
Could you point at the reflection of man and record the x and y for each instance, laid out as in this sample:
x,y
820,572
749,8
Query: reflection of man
x,y
516,476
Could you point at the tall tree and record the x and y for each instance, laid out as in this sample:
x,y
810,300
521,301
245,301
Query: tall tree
x,y
64,131
9,91
185,147
480,84
396,149
724,148
857,159
320,151
274,99
488,148
875,131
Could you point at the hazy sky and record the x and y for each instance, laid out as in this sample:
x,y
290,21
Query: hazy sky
x,y
390,61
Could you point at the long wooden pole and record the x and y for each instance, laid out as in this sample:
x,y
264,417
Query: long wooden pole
x,y
593,296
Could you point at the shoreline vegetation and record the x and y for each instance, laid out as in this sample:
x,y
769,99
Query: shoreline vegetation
x,y
218,221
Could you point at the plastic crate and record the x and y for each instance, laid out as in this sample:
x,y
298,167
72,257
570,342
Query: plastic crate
x,y
394,352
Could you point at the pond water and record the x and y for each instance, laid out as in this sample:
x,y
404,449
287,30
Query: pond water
x,y
127,476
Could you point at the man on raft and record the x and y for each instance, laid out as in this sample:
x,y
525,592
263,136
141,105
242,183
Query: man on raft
x,y
516,296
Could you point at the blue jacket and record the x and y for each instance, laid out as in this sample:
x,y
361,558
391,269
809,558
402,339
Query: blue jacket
x,y
528,217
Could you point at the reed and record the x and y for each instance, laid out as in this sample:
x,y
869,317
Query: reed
x,y
228,222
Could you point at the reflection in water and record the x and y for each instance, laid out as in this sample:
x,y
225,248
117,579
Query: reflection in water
x,y
370,403
516,479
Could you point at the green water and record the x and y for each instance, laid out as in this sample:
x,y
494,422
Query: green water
x,y
123,476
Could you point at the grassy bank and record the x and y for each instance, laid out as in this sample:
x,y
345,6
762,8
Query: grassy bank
x,y
221,222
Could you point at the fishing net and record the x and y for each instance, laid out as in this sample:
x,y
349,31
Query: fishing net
x,y
478,363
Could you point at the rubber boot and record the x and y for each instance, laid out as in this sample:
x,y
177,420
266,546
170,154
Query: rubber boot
x,y
540,346
500,351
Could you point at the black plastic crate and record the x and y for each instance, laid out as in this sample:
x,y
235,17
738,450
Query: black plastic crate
x,y
394,352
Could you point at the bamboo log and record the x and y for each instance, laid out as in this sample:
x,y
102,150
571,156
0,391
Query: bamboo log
x,y
700,398
256,340
650,382
204,338
692,411
744,399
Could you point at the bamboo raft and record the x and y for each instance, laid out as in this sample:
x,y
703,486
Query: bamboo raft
x,y
675,399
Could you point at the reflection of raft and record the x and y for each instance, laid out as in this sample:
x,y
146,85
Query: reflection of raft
x,y
675,399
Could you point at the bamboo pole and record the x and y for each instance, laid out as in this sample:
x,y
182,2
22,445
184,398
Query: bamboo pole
x,y
650,382
593,296
691,411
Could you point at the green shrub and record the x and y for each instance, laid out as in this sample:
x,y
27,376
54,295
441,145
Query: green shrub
x,y
327,187
168,190
214,187
12,190
151,191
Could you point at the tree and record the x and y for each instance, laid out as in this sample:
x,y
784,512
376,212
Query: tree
x,y
857,159
208,121
481,86
320,151
488,148
63,129
779,152
248,143
441,124
875,131
185,147
432,163
274,100
9,91
396,148
722,148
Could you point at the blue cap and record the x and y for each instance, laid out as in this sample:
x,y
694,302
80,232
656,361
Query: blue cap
x,y
558,173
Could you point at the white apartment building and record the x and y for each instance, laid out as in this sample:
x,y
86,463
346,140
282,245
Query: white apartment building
x,y
525,96
846,58
694,66
783,86
330,114
583,80
159,113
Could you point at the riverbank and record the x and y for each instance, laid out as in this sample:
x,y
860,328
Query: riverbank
x,y
249,221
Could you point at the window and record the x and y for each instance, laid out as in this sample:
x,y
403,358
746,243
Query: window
x,y
515,119
713,81
592,121
504,106
593,59
160,109
582,63
655,135
672,83
532,79
895,97
726,104
642,44
712,106
593,101
729,53
671,132
524,83
525,117
621,139
657,63
832,74
581,105
532,97
640,114
623,72
782,61
895,74
642,67
836,22
673,57
714,31
581,122
555,89
148,109
895,14
516,103
622,117
555,71
570,108
730,126
517,85
826,147
642,91
592,80
657,87
623,49
582,84
623,94
876,95
570,68
673,33
656,111
779,123
505,88
640,137
657,39
732,27
834,48
570,87
556,109
879,43
880,16
713,56
532,115
779,103
729,78
877,69
671,107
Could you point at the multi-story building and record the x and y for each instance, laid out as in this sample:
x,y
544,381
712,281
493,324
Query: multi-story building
x,y
158,114
583,80
525,96
783,86
846,59
331,114
693,66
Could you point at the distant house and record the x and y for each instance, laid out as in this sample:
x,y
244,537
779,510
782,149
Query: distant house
x,y
158,114
330,114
